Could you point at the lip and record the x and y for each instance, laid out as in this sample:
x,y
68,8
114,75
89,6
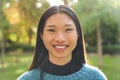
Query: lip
x,y
60,48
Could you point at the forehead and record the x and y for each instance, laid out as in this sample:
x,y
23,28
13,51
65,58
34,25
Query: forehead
x,y
59,17
59,14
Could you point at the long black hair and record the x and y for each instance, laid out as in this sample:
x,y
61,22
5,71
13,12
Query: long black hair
x,y
41,52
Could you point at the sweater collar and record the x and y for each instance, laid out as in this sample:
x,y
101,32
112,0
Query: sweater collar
x,y
67,69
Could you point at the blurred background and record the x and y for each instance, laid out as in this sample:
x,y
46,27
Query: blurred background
x,y
100,21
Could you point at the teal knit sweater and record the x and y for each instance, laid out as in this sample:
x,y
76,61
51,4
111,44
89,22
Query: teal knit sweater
x,y
87,72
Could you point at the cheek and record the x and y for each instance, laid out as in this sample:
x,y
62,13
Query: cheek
x,y
47,39
73,38
46,43
74,42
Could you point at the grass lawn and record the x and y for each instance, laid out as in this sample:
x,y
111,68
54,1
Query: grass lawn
x,y
14,66
111,66
17,64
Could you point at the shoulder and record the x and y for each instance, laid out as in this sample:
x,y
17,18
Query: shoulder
x,y
93,72
30,75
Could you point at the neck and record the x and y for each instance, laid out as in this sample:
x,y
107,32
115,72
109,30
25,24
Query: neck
x,y
60,60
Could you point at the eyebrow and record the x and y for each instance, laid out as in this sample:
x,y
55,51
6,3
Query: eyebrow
x,y
68,25
50,25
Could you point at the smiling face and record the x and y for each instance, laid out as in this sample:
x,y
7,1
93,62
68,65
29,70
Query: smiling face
x,y
59,37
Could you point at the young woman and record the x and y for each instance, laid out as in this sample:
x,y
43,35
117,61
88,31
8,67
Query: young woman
x,y
60,52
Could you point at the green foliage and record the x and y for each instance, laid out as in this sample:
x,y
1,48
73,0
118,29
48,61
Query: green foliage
x,y
4,23
91,49
92,10
107,49
29,11
19,47
109,33
111,49
104,11
28,16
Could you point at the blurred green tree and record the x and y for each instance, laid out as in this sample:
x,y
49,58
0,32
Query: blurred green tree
x,y
24,17
91,14
30,12
4,26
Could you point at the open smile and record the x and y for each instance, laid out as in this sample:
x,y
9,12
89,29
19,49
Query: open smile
x,y
60,48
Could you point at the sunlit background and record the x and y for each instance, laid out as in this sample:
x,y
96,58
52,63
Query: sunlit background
x,y
19,19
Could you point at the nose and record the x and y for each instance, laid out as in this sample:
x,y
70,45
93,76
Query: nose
x,y
60,37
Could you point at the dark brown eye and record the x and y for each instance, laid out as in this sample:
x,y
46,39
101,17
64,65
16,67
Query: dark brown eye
x,y
68,30
51,30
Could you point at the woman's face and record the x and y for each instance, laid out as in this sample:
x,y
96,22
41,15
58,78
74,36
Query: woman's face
x,y
59,36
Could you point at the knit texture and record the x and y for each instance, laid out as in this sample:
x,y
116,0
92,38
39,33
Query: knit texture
x,y
87,72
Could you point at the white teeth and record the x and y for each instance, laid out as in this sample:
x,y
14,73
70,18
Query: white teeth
x,y
60,46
